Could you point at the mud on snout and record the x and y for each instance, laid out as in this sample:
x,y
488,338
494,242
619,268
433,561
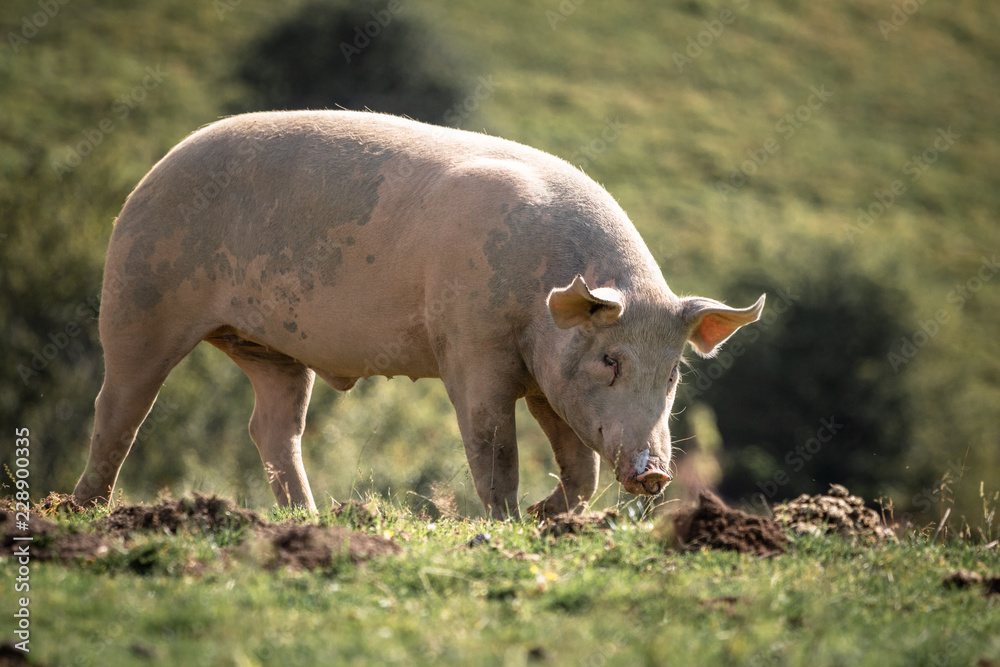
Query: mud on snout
x,y
649,479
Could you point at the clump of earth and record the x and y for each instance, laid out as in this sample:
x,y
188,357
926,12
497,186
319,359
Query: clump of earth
x,y
309,547
576,524
209,513
357,513
963,579
713,525
272,545
49,542
836,512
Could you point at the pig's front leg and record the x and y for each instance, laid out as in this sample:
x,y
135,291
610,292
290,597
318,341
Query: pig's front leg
x,y
485,409
578,464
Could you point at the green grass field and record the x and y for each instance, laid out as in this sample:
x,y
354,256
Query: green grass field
x,y
607,87
761,137
606,596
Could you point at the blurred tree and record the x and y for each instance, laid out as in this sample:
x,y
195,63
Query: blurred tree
x,y
357,55
806,395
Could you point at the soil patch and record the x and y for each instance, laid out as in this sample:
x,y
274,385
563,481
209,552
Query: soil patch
x,y
55,503
49,541
727,603
207,513
308,547
963,579
357,513
837,512
10,656
968,579
714,525
577,524
296,546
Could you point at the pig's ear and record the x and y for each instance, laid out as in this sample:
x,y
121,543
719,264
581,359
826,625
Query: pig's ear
x,y
711,322
578,304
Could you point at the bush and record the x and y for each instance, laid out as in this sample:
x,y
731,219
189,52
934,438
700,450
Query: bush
x,y
355,56
808,397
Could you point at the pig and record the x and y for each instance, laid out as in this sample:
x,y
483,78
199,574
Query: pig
x,y
355,244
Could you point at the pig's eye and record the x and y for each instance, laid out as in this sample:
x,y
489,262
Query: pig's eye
x,y
613,365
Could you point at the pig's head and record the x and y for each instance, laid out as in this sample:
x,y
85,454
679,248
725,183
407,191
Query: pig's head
x,y
616,369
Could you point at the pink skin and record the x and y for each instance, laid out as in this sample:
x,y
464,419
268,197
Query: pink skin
x,y
650,483
320,255
617,372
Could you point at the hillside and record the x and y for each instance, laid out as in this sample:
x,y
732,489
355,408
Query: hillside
x,y
801,144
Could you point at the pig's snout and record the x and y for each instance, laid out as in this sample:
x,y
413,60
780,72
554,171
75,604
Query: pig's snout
x,y
648,483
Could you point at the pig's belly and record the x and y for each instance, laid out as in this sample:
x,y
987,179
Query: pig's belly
x,y
340,340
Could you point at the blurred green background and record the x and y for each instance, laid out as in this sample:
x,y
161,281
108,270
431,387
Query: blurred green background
x,y
842,156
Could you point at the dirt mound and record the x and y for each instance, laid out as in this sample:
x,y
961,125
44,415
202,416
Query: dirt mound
x,y
59,502
356,513
714,525
50,504
49,542
308,547
297,546
210,514
576,524
837,512
11,656
962,579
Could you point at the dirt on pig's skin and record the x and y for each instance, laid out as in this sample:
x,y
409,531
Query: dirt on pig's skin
x,y
713,525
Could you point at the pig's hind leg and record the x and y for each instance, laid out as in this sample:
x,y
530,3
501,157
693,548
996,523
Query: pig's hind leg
x,y
282,387
135,367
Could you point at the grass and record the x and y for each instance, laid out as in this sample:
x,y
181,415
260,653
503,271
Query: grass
x,y
685,131
606,597
611,596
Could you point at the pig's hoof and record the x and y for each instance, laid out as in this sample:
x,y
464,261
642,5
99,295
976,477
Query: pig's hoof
x,y
541,510
554,505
